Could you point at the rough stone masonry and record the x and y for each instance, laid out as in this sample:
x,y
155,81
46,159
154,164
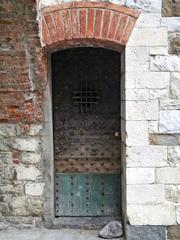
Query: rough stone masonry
x,y
152,77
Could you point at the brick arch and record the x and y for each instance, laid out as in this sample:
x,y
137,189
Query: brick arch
x,y
86,23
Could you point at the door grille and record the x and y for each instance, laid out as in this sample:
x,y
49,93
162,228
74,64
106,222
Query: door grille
x,y
86,98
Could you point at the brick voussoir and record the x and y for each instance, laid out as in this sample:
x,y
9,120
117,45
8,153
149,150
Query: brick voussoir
x,y
92,20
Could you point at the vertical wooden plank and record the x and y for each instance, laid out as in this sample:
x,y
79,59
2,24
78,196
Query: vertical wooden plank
x,y
95,195
79,195
112,194
64,194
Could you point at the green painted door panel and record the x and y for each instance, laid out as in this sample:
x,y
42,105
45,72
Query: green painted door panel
x,y
87,194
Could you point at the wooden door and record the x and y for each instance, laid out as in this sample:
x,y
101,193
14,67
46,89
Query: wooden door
x,y
86,113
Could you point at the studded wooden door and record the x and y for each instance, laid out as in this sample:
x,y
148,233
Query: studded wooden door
x,y
86,113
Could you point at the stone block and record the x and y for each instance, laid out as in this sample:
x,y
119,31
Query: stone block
x,y
146,232
173,232
158,94
7,130
146,193
169,121
178,213
166,8
137,59
5,157
15,187
34,206
151,214
173,193
35,129
137,94
18,206
7,172
30,157
142,110
27,173
176,8
149,37
174,156
168,63
34,189
174,43
175,85
151,80
150,156
140,175
170,104
152,6
130,80
26,144
3,145
153,126
137,133
4,208
143,20
172,23
6,198
158,50
168,175
164,139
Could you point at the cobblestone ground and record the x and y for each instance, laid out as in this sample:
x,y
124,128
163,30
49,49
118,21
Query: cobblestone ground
x,y
65,234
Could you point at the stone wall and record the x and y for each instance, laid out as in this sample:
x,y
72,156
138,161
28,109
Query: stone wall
x,y
153,120
152,114
21,114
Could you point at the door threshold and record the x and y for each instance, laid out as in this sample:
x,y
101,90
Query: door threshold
x,y
86,223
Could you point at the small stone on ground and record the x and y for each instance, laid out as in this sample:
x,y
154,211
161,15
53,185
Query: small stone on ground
x,y
112,230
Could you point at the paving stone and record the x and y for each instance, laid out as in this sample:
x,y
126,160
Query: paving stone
x,y
146,233
43,234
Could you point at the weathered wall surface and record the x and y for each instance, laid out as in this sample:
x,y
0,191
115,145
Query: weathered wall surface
x,y
152,119
21,114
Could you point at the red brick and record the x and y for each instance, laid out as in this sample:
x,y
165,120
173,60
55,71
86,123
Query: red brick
x,y
59,25
87,12
82,17
90,24
51,27
16,156
127,31
98,20
75,23
121,26
67,24
45,33
105,25
113,25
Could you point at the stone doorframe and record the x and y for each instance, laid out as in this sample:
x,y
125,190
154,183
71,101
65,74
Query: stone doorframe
x,y
79,24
